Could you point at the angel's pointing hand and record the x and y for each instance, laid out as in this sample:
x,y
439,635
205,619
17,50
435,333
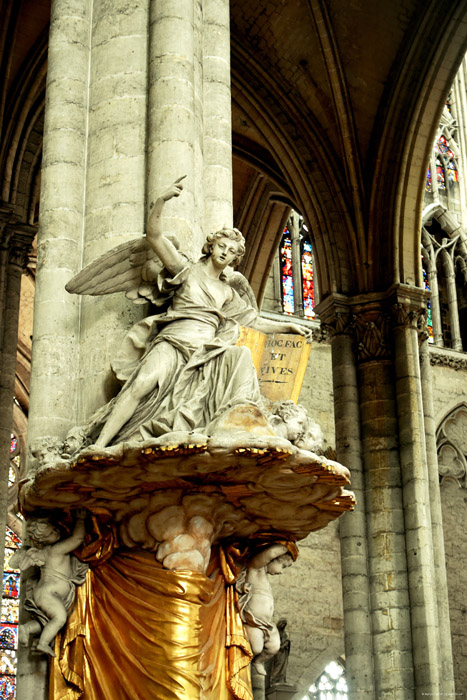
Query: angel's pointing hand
x,y
174,190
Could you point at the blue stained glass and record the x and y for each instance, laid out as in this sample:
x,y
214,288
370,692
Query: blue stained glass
x,y
7,687
8,636
428,185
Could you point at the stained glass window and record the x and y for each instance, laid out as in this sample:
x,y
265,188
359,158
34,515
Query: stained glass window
x,y
286,273
428,185
307,280
442,145
9,620
429,321
440,176
13,444
452,172
331,684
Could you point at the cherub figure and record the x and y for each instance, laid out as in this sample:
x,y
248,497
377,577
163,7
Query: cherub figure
x,y
291,421
256,601
53,594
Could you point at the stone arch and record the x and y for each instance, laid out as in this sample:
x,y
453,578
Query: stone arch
x,y
451,438
409,116
21,148
300,166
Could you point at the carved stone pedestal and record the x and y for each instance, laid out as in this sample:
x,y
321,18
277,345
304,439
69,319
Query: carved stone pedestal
x,y
174,522
281,691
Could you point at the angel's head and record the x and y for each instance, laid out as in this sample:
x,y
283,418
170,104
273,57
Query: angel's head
x,y
228,244
42,531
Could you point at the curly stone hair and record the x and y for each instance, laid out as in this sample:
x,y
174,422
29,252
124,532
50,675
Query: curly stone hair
x,y
233,233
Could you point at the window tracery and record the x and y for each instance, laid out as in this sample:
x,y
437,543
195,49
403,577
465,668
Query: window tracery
x,y
330,685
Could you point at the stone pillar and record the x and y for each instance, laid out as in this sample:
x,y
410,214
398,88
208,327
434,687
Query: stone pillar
x,y
173,138
435,308
337,322
16,240
55,350
409,306
456,340
217,119
389,593
446,680
383,397
115,181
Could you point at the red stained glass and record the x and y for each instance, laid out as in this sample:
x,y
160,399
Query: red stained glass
x,y
7,687
452,172
13,444
286,273
307,281
441,179
429,321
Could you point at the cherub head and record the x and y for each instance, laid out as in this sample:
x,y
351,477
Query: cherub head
x,y
289,420
42,531
225,237
277,565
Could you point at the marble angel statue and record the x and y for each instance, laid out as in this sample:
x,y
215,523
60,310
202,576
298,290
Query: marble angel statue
x,y
180,369
52,596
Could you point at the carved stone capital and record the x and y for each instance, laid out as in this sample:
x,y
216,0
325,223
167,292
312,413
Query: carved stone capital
x,y
370,319
19,244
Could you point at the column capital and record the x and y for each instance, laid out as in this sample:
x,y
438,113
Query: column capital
x,y
18,238
371,318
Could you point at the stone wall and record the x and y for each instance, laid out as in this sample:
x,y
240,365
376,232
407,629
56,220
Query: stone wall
x,y
309,595
449,390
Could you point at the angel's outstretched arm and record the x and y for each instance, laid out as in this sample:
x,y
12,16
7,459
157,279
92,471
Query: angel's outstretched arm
x,y
70,543
267,326
161,245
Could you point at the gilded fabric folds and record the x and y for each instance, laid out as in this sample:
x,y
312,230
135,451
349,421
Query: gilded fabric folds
x,y
141,631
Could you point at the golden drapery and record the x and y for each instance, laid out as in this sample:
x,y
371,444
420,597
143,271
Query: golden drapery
x,y
140,631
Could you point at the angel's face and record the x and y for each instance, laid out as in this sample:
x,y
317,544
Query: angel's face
x,y
224,251
42,532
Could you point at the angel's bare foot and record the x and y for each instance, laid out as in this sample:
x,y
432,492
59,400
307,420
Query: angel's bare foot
x,y
259,667
44,648
23,636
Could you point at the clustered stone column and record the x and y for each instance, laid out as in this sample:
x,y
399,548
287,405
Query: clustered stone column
x,y
404,636
138,93
15,243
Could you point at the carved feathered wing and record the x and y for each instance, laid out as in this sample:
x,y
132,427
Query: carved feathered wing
x,y
26,558
130,267
241,285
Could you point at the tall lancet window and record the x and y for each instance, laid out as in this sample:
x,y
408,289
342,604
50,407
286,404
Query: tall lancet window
x,y
296,269
287,290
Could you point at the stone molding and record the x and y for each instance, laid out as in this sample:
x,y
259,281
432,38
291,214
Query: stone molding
x,y
447,360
